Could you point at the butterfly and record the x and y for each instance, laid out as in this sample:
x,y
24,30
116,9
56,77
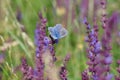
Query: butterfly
x,y
57,32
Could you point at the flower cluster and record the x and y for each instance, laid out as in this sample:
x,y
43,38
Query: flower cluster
x,y
45,57
98,51
27,70
63,70
40,34
85,75
42,43
94,50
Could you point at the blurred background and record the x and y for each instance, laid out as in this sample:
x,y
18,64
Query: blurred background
x,y
18,20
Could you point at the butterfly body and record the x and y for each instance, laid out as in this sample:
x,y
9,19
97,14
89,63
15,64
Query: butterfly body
x,y
54,40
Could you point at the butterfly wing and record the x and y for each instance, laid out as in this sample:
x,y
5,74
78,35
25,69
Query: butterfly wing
x,y
62,31
53,32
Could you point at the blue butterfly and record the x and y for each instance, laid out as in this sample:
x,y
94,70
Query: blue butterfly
x,y
57,32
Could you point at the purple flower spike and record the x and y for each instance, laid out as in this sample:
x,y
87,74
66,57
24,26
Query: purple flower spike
x,y
99,51
90,54
85,75
88,27
84,8
46,41
97,47
26,70
63,73
113,21
108,60
118,62
86,23
85,20
95,77
93,50
109,77
63,70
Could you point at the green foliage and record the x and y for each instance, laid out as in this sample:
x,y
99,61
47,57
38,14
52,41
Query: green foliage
x,y
10,29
